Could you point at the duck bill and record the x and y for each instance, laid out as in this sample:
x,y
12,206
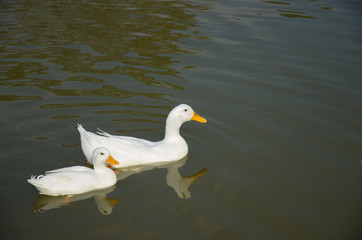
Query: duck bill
x,y
198,118
112,161
112,201
195,176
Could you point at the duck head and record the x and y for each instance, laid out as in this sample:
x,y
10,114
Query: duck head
x,y
183,113
101,155
180,114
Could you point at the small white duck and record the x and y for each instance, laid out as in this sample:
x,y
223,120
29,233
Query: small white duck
x,y
78,179
130,151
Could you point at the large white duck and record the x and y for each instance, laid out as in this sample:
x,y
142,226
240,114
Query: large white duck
x,y
78,179
130,151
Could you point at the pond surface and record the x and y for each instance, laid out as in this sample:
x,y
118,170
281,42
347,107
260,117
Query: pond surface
x,y
280,83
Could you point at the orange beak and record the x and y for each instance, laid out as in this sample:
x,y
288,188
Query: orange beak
x,y
112,161
198,118
112,201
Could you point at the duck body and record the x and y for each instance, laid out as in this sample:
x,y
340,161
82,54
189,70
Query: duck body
x,y
130,151
77,179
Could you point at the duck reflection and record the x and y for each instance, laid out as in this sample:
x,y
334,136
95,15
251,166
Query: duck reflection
x,y
181,183
105,205
174,179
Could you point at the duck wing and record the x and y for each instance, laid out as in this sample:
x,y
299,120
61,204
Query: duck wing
x,y
71,169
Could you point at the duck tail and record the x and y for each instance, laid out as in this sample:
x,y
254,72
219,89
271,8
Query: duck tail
x,y
36,180
80,128
88,142
103,133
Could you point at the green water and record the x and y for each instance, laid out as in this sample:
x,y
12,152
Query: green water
x,y
278,81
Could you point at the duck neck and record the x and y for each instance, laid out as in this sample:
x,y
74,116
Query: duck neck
x,y
99,167
172,130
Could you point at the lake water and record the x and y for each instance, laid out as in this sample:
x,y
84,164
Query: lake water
x,y
280,83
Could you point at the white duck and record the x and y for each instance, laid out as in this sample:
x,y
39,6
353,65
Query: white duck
x,y
130,151
78,179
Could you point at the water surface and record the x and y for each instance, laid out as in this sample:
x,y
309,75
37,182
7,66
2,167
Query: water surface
x,y
278,81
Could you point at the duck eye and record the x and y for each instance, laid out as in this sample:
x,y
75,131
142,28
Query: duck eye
x,y
102,153
185,110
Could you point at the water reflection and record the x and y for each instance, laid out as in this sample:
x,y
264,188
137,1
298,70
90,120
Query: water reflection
x,y
104,204
147,114
278,2
174,179
180,184
293,12
74,49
